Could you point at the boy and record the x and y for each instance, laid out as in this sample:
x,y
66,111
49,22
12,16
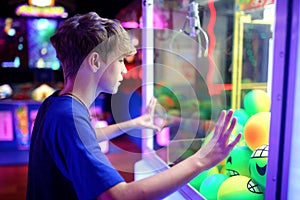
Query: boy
x,y
65,160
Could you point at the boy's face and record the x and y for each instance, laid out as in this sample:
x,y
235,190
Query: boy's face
x,y
111,78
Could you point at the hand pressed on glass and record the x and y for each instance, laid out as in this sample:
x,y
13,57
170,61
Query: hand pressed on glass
x,y
218,147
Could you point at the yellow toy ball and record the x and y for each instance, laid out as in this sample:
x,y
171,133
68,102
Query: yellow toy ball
x,y
256,130
240,188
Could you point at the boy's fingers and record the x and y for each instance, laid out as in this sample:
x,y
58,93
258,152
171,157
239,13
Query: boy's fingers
x,y
234,142
229,130
150,107
227,120
219,122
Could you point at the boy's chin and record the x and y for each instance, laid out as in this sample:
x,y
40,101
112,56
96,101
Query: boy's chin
x,y
114,90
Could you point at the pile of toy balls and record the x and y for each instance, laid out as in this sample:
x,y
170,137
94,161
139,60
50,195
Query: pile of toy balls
x,y
242,175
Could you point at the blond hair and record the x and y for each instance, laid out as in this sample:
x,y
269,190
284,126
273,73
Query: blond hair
x,y
79,35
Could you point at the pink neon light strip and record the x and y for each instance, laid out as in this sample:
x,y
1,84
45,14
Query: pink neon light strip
x,y
212,43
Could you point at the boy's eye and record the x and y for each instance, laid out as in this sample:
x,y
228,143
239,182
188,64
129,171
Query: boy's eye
x,y
121,60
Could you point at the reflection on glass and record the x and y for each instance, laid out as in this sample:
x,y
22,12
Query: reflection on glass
x,y
183,94
193,87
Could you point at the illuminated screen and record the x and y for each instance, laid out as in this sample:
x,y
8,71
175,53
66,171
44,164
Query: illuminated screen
x,y
13,43
40,51
25,43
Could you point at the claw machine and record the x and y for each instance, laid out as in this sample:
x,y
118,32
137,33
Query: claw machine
x,y
283,171
211,55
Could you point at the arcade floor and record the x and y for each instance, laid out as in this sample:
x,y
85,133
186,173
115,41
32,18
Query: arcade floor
x,y
13,178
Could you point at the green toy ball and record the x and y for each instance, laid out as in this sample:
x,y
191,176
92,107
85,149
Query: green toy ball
x,y
205,108
188,107
174,112
240,188
257,101
210,186
241,115
258,165
166,101
239,128
237,162
197,181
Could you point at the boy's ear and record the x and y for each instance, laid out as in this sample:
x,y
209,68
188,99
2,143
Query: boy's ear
x,y
94,61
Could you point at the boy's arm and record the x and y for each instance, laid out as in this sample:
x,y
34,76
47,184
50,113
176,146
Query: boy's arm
x,y
162,184
146,120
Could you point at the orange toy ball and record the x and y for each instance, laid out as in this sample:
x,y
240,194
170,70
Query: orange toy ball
x,y
256,130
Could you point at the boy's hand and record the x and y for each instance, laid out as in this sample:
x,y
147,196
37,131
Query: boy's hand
x,y
217,149
149,118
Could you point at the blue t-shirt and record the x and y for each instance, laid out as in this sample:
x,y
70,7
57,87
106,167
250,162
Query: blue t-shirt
x,y
65,160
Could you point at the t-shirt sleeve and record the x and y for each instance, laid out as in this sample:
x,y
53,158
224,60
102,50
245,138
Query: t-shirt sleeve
x,y
77,154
